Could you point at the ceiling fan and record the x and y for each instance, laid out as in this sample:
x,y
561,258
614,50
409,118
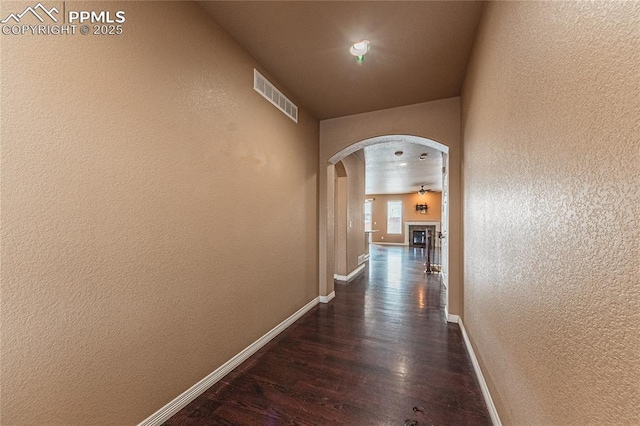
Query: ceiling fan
x,y
423,191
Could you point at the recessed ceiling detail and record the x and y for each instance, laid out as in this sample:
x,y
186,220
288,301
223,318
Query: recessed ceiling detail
x,y
386,173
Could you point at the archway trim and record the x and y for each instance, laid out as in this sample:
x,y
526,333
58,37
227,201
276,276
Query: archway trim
x,y
385,139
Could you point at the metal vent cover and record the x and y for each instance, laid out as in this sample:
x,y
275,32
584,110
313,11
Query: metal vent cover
x,y
273,95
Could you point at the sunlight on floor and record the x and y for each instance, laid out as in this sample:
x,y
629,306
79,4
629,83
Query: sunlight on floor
x,y
394,269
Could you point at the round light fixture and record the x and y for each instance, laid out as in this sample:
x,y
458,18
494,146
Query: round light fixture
x,y
359,49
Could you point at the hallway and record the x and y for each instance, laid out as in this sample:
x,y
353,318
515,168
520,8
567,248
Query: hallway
x,y
379,353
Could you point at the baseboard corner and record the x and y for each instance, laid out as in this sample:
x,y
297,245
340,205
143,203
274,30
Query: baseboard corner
x,y
328,298
352,275
451,317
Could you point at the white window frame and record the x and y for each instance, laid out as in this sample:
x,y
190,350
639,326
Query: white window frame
x,y
394,228
368,213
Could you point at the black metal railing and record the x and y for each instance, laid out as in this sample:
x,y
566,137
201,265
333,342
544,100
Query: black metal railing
x,y
433,263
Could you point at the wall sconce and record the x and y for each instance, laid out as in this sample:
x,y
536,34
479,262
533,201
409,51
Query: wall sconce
x,y
421,208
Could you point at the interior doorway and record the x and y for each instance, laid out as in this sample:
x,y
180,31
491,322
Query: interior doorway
x,y
360,145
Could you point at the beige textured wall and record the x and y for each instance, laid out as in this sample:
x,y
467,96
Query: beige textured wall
x,y
133,260
438,121
340,243
350,239
551,202
356,238
409,201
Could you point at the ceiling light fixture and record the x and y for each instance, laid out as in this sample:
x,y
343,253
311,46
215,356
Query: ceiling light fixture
x,y
398,153
422,190
359,49
423,156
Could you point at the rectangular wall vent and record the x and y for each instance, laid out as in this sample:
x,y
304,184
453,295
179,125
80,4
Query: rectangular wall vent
x,y
273,95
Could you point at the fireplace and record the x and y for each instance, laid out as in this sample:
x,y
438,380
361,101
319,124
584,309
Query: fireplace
x,y
419,238
433,227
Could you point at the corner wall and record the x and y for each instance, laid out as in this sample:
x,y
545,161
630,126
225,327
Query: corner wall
x,y
133,261
551,172
349,230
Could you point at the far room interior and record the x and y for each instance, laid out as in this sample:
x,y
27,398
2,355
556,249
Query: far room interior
x,y
399,185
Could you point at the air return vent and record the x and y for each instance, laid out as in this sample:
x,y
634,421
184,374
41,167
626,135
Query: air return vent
x,y
273,95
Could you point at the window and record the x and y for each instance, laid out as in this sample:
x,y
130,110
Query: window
x,y
394,217
367,216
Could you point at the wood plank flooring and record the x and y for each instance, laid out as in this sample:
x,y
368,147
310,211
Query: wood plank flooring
x,y
380,353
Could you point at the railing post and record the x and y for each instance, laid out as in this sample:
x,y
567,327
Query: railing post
x,y
427,270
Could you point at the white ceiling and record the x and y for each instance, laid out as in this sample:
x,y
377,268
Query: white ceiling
x,y
385,174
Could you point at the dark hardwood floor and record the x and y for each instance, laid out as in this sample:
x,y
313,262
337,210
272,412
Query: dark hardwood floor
x,y
379,353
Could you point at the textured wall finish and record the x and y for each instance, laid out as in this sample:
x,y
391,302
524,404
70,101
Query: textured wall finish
x,y
340,242
350,239
158,215
356,238
438,121
551,209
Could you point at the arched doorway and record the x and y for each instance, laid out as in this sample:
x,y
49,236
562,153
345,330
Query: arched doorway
x,y
328,219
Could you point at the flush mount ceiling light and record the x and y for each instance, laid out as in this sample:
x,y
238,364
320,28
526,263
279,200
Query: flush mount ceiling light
x,y
423,156
398,153
359,49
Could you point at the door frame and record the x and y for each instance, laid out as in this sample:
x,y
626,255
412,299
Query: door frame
x,y
326,255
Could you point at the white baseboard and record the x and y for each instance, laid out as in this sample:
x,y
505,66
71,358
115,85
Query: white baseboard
x,y
389,244
493,413
351,275
327,298
163,414
451,317
363,258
